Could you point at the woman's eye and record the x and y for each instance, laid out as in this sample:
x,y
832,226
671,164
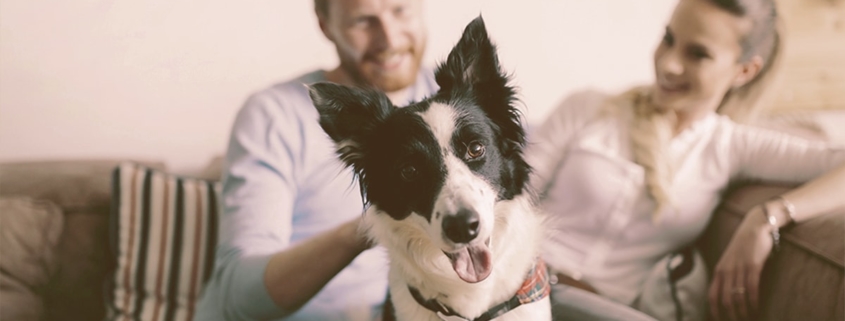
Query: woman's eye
x,y
667,39
700,54
409,173
475,150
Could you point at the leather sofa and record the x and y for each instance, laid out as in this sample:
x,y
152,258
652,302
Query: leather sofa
x,y
805,278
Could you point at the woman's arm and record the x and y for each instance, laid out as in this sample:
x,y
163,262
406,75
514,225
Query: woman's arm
x,y
734,291
736,279
547,143
821,196
767,155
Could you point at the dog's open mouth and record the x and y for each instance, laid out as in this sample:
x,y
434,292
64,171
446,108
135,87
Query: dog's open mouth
x,y
473,263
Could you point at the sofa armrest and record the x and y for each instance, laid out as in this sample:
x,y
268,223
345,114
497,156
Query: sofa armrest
x,y
82,189
805,280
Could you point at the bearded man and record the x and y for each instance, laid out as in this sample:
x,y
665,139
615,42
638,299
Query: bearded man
x,y
289,245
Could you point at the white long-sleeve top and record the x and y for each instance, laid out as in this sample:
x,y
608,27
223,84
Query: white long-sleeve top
x,y
601,227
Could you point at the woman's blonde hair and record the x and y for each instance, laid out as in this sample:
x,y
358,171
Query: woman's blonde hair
x,y
652,128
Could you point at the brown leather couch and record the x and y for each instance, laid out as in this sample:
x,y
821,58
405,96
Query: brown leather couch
x,y
804,281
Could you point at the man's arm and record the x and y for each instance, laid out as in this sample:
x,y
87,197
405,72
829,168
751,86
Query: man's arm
x,y
260,274
296,274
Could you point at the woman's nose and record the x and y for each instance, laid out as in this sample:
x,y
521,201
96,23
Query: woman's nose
x,y
670,63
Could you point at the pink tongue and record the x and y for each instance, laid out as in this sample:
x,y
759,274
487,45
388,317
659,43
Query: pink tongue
x,y
472,263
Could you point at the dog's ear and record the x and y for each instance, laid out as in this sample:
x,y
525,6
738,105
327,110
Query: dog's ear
x,y
473,65
472,61
348,115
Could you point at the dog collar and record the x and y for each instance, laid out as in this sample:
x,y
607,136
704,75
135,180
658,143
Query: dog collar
x,y
535,288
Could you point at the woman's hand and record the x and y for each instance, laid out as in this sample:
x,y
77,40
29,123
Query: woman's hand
x,y
734,291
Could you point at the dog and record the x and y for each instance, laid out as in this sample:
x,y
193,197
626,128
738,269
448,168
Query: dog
x,y
446,187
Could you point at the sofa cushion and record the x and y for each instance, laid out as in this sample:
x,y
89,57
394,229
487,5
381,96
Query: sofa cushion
x,y
164,230
82,189
29,234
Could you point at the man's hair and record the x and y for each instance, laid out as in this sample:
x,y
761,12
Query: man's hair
x,y
321,7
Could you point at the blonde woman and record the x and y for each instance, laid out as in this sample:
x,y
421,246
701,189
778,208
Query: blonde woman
x,y
631,178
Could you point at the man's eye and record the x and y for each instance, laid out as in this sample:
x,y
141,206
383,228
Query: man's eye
x,y
475,150
400,10
361,21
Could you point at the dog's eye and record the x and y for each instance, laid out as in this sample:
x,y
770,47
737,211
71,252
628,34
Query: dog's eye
x,y
475,150
409,173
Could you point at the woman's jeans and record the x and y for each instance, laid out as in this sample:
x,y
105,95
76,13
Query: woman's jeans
x,y
573,304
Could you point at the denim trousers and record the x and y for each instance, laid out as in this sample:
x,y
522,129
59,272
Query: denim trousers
x,y
574,304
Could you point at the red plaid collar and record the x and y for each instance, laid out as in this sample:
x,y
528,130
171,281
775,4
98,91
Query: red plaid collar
x,y
535,288
536,285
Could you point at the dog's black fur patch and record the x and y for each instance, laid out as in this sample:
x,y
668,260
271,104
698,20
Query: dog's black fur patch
x,y
380,142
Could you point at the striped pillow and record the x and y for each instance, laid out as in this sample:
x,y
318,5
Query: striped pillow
x,y
163,234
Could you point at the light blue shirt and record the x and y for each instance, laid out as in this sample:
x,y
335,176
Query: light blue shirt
x,y
283,184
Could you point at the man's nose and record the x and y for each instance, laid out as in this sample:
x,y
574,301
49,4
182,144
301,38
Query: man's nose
x,y
388,33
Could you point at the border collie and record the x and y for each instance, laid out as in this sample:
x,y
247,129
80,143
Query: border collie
x,y
445,181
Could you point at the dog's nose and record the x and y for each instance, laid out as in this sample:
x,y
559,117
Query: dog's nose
x,y
461,227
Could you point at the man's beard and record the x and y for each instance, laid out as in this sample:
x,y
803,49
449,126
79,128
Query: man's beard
x,y
387,82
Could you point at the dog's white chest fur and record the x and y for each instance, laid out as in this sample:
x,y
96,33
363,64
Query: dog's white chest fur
x,y
515,239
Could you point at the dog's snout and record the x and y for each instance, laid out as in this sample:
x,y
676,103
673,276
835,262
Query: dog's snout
x,y
461,227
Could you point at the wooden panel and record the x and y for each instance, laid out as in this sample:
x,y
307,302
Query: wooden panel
x,y
811,95
813,71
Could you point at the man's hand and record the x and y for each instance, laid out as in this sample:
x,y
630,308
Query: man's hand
x,y
356,235
294,275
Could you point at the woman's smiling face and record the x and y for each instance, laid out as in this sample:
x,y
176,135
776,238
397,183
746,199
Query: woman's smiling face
x,y
698,60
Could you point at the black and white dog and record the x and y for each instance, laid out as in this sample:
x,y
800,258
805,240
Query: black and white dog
x,y
446,183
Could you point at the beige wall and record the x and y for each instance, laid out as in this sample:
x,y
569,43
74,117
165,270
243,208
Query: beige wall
x,y
162,80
